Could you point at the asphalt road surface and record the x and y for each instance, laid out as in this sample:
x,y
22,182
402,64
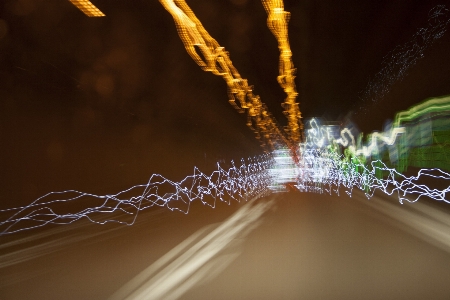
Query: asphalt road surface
x,y
284,246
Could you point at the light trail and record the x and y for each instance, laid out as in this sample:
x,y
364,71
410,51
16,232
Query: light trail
x,y
216,60
87,8
439,105
325,171
422,220
238,183
397,63
197,259
331,161
277,21
316,165
328,163
418,136
321,168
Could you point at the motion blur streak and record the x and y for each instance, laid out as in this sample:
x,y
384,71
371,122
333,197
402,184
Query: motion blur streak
x,y
87,8
421,220
200,257
238,183
277,21
327,172
48,242
418,137
322,167
402,58
424,127
216,60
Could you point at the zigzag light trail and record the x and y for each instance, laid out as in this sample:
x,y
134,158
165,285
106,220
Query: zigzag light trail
x,y
236,183
324,171
424,126
321,167
320,171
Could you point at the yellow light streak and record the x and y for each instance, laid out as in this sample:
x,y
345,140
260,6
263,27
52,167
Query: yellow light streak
x,y
87,8
216,60
277,21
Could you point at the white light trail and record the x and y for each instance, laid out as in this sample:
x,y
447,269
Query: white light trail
x,y
238,183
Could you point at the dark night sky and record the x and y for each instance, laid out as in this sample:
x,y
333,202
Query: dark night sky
x,y
100,104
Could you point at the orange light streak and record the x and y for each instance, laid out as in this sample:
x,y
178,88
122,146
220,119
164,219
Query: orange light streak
x,y
216,60
87,8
